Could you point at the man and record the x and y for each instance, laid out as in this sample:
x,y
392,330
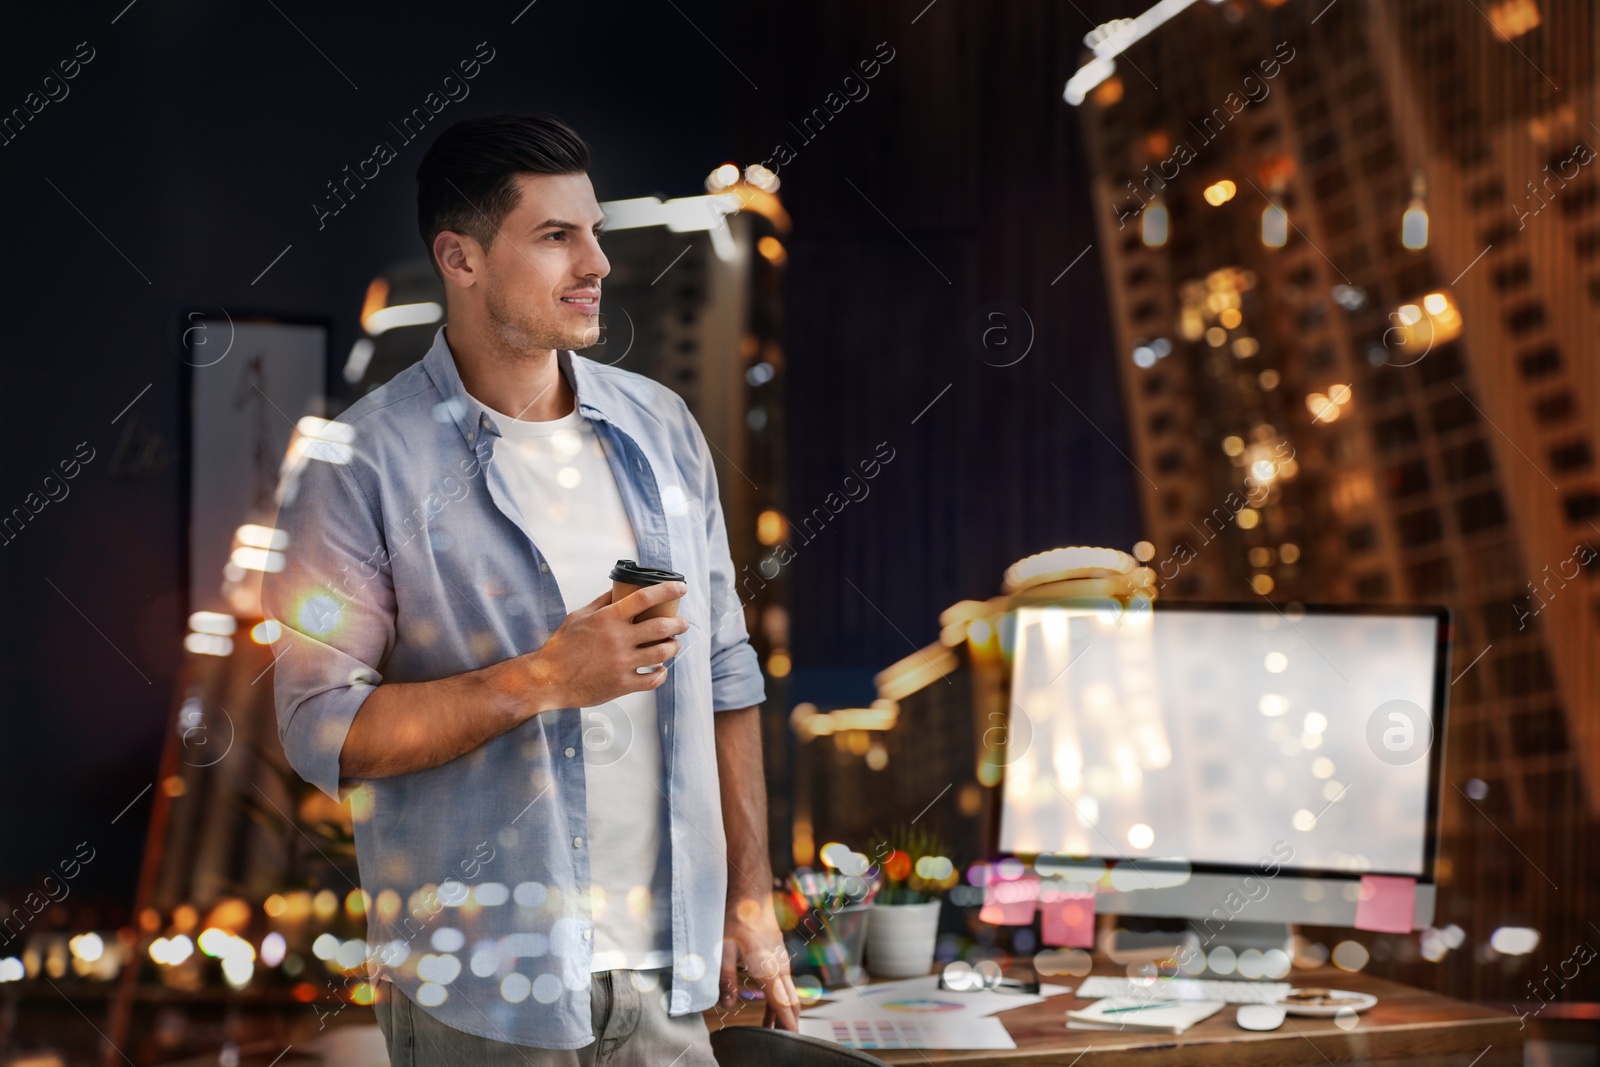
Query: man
x,y
559,812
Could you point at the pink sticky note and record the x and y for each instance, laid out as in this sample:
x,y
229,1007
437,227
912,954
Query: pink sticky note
x,y
1010,903
1068,921
1386,904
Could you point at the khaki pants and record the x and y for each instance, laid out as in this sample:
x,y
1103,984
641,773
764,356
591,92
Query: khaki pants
x,y
631,1025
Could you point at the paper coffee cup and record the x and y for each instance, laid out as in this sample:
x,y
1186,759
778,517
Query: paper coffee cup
x,y
628,577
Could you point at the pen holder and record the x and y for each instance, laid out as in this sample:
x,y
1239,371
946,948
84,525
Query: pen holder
x,y
835,949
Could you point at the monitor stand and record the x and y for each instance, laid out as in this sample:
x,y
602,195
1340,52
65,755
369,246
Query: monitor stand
x,y
1241,937
1181,941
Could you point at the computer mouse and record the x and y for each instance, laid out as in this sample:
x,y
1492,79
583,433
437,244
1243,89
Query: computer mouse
x,y
1259,1016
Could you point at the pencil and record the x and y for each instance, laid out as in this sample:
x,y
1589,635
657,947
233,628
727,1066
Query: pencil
x,y
1141,1007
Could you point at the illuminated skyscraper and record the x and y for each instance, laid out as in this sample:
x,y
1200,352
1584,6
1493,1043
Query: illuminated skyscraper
x,y
1353,254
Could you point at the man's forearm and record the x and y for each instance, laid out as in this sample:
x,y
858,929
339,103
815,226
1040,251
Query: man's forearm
x,y
410,726
752,933
593,657
744,803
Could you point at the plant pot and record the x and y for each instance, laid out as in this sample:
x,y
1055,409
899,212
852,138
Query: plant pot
x,y
900,939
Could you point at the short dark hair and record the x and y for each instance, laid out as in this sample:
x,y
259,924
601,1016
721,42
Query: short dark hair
x,y
466,183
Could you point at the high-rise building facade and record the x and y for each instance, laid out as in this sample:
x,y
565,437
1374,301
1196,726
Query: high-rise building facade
x,y
1353,257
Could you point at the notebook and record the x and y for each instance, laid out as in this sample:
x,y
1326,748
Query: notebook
x,y
1142,1016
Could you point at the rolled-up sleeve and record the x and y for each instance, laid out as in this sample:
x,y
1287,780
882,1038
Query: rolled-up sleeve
x,y
736,680
334,601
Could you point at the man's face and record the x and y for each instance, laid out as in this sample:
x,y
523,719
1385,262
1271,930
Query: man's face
x,y
543,270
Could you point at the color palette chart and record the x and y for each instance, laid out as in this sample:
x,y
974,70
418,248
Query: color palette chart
x,y
910,1031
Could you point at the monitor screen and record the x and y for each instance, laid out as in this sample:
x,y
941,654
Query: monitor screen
x,y
1210,733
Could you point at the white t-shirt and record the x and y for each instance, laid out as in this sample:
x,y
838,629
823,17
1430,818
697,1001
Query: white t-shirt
x,y
563,485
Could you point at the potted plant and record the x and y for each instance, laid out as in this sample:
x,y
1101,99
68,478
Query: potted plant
x,y
914,871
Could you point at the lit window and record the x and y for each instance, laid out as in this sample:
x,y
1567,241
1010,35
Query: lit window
x,y
1513,18
1154,224
1274,226
1414,226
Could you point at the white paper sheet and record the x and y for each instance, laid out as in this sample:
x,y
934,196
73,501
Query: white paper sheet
x,y
912,1031
922,998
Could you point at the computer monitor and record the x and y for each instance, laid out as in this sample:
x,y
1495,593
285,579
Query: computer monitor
x,y
1195,750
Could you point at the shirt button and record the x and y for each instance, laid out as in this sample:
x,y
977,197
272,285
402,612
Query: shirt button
x,y
471,435
571,752
577,842
544,568
588,935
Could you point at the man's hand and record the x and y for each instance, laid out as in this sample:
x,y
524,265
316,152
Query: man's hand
x,y
751,935
592,657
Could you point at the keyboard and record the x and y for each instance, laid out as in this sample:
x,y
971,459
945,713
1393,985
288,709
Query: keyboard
x,y
1227,990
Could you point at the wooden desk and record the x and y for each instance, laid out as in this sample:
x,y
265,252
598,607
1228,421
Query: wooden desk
x,y
1420,1028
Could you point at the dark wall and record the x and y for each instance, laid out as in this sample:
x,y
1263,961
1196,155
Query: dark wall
x,y
185,158
951,189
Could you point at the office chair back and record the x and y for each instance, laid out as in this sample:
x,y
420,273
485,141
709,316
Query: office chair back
x,y
759,1046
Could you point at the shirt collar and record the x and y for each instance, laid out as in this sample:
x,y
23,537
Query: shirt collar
x,y
472,417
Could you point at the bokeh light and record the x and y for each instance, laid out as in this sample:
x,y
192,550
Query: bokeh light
x,y
1350,956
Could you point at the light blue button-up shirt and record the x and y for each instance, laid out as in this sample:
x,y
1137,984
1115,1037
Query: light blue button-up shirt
x,y
407,560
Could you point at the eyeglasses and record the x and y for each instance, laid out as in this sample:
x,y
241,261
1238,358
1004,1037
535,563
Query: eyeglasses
x,y
963,977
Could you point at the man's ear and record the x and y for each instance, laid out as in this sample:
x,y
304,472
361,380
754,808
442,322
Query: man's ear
x,y
458,256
